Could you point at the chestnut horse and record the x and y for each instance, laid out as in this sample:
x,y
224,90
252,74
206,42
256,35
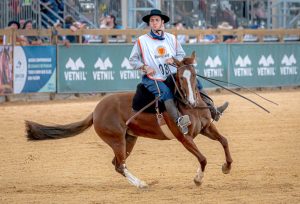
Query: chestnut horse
x,y
110,116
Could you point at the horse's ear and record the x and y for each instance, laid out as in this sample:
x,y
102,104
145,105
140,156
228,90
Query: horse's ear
x,y
177,62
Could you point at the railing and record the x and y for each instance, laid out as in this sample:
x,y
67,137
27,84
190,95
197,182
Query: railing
x,y
129,35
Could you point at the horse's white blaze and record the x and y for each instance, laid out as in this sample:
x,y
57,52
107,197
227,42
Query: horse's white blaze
x,y
187,75
134,180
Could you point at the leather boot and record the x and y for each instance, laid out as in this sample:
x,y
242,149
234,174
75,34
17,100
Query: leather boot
x,y
182,121
216,112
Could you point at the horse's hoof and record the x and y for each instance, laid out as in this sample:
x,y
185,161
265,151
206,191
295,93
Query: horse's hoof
x,y
143,185
225,168
197,182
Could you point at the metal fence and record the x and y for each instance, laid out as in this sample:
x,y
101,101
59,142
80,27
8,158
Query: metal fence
x,y
19,10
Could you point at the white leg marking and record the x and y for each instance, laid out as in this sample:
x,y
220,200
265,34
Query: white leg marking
x,y
187,76
134,180
199,176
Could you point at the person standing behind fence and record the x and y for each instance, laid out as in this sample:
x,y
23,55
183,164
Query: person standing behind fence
x,y
8,39
30,40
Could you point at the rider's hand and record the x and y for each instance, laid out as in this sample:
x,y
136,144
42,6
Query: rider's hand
x,y
170,61
149,70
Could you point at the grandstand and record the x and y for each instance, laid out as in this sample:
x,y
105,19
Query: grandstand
x,y
195,13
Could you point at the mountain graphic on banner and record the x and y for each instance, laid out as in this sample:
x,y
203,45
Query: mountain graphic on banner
x,y
266,61
75,65
243,62
213,63
125,64
288,61
103,65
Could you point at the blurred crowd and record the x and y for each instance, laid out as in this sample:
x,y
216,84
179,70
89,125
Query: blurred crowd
x,y
224,13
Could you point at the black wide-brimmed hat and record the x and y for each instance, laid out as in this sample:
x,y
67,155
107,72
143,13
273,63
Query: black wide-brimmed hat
x,y
155,12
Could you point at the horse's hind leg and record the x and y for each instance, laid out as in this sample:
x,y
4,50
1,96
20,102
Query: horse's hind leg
x,y
130,142
212,133
119,146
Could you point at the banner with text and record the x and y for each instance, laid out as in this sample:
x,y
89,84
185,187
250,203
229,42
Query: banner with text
x,y
105,68
262,65
6,73
34,69
212,61
95,68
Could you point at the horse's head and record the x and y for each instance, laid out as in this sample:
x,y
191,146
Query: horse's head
x,y
186,79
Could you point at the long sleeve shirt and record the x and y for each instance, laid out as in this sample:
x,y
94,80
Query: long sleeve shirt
x,y
152,52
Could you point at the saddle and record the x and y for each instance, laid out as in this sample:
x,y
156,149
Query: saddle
x,y
143,97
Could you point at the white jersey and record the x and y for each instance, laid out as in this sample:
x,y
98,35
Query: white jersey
x,y
155,52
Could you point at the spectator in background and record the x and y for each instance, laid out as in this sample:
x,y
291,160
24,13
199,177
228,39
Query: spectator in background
x,y
209,38
227,38
259,13
30,40
12,25
70,24
179,25
225,14
111,22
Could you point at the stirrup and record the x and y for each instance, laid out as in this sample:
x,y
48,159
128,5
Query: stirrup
x,y
183,122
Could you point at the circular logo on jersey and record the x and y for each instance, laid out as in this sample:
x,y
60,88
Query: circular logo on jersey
x,y
161,50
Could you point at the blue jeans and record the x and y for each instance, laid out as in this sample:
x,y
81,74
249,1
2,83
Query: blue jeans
x,y
165,92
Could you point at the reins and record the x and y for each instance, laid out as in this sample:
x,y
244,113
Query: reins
x,y
211,81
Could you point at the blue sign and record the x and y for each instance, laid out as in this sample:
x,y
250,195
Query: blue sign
x,y
34,69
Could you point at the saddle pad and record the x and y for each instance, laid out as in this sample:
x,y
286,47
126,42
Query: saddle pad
x,y
142,98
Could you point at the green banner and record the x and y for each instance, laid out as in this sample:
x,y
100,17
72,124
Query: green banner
x,y
261,65
105,68
212,61
94,68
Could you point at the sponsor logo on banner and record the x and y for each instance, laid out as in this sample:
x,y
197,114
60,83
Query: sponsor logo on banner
x,y
243,67
288,65
128,72
102,70
213,67
74,70
266,67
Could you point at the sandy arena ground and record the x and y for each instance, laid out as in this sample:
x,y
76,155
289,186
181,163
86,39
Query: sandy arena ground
x,y
265,149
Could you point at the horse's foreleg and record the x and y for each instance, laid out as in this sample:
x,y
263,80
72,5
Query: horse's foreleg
x,y
189,144
212,133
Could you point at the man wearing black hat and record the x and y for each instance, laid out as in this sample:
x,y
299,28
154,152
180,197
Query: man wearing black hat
x,y
152,54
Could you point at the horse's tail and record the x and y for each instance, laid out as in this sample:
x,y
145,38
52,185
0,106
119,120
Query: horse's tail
x,y
37,131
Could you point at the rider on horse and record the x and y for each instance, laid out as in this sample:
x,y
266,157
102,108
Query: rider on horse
x,y
152,54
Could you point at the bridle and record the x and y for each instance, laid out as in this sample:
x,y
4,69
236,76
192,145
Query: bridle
x,y
183,97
